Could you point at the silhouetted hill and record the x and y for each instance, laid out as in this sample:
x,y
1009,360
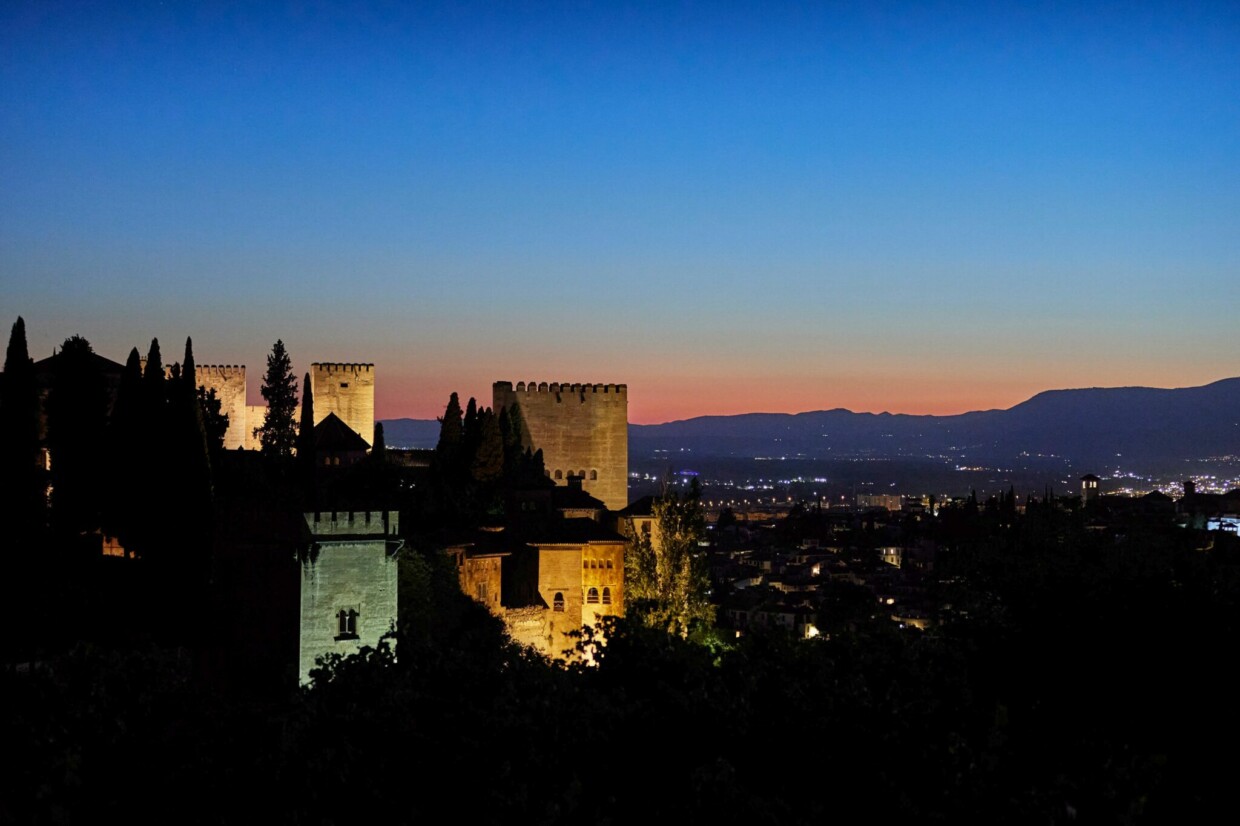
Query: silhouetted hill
x,y
1139,424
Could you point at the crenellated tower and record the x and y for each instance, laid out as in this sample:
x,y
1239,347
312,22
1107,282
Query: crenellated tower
x,y
228,382
348,390
582,430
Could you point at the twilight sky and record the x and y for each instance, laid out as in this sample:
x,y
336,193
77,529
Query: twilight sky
x,y
731,207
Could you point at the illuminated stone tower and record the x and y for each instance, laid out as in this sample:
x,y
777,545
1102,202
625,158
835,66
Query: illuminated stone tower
x,y
348,583
228,382
348,390
582,430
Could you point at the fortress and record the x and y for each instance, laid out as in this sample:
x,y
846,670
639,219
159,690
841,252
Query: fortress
x,y
582,430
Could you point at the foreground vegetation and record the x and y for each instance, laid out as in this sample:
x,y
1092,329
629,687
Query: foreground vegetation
x,y
1076,680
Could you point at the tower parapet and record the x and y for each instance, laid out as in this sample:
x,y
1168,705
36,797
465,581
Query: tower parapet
x,y
582,429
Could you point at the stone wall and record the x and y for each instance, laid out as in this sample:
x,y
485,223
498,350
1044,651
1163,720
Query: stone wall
x,y
228,382
602,568
348,390
349,568
255,416
582,429
481,578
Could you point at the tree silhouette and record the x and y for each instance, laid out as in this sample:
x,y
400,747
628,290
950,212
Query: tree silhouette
x,y
76,418
214,419
488,460
128,452
277,434
21,485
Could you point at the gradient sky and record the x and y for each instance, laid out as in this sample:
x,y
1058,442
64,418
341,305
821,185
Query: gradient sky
x,y
731,207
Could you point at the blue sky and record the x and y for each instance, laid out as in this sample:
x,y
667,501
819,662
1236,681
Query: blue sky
x,y
910,207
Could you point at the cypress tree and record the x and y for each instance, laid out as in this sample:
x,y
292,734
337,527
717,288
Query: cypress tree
x,y
193,431
277,435
450,430
471,436
488,461
305,430
154,390
126,451
21,481
76,421
378,450
305,446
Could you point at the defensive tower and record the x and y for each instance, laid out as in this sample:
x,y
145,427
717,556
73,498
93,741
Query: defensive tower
x,y
348,390
348,583
228,382
582,430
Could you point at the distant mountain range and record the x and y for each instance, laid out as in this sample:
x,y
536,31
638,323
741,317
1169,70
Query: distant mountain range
x,y
1141,425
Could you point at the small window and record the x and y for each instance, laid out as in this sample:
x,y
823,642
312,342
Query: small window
x,y
592,596
607,596
585,563
559,474
609,564
480,590
593,475
346,624
558,603
344,384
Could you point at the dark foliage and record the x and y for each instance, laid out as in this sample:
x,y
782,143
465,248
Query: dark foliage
x,y
21,481
277,433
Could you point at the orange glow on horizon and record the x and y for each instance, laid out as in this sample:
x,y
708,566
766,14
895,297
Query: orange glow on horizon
x,y
663,398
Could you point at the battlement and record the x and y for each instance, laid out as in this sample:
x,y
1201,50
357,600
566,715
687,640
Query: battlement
x,y
352,523
560,387
342,367
222,371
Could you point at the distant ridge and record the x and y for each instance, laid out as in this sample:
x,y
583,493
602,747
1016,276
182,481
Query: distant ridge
x,y
1137,424
1097,424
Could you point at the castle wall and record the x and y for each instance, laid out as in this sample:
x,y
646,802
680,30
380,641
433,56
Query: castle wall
x,y
348,390
580,428
559,572
569,571
348,568
255,416
228,382
608,581
481,578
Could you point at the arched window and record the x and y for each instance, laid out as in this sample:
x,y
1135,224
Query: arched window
x,y
585,563
609,563
607,596
593,475
592,596
559,474
346,624
558,603
581,473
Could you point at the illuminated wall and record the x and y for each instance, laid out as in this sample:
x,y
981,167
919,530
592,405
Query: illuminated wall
x,y
348,390
580,428
228,382
348,583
